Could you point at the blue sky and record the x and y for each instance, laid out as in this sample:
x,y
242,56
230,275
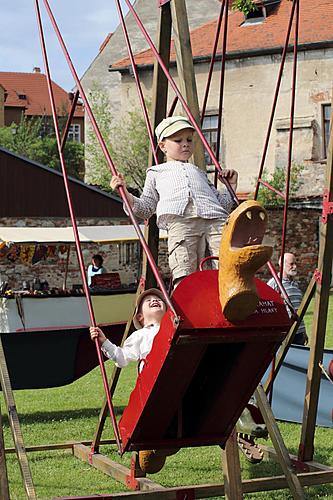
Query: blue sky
x,y
84,25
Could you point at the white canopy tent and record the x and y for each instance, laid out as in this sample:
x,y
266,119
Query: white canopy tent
x,y
65,235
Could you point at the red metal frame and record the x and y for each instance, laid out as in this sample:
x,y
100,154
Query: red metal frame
x,y
212,62
327,206
221,89
181,99
137,81
197,367
276,95
290,145
74,225
108,158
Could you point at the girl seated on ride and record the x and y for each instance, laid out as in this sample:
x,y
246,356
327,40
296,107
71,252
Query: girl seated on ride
x,y
187,205
150,308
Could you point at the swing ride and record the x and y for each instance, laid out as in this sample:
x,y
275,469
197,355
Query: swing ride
x,y
192,388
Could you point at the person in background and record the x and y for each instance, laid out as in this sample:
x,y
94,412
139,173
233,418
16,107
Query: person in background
x,y
294,293
96,267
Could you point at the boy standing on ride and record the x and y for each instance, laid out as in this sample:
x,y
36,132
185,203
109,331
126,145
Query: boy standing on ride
x,y
187,205
150,308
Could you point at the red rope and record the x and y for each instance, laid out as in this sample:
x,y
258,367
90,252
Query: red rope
x,y
290,145
221,90
109,161
212,62
182,100
276,95
137,81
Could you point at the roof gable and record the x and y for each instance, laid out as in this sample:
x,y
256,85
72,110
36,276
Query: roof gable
x,y
29,189
315,26
29,91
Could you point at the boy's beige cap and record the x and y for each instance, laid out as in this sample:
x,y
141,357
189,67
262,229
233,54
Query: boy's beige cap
x,y
171,125
150,291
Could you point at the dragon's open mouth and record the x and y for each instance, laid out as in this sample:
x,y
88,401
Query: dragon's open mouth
x,y
249,228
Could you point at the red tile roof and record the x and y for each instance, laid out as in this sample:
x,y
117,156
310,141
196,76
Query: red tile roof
x,y
34,87
315,26
106,41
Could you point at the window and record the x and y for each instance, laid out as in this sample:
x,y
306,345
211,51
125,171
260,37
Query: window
x,y
209,129
256,16
326,127
74,133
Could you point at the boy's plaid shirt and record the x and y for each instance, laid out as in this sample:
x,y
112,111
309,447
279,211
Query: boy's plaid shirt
x,y
170,186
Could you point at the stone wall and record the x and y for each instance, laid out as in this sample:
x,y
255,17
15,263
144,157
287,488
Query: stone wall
x,y
48,263
17,266
302,239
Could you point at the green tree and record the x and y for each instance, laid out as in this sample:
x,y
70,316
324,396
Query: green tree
x,y
97,170
131,148
278,181
245,6
27,139
126,140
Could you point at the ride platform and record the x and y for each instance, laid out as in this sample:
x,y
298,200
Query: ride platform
x,y
201,373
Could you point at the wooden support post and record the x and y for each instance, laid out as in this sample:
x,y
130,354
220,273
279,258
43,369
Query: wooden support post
x,y
294,484
15,427
319,321
231,469
185,69
4,489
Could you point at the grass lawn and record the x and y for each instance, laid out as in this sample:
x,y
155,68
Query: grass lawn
x,y
70,413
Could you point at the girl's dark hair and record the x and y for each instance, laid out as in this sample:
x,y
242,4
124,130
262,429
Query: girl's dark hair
x,y
98,259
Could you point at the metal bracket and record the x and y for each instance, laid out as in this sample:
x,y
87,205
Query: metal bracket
x,y
327,206
135,471
317,276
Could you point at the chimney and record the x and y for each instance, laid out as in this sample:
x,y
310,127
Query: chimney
x,y
2,106
36,69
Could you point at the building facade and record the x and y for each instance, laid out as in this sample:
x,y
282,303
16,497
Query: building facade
x,y
254,48
26,95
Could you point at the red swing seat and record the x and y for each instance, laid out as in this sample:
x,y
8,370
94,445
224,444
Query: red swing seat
x,y
198,377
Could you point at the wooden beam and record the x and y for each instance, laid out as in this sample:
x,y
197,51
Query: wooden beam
x,y
4,489
185,69
319,322
215,490
231,469
113,469
283,458
60,446
270,454
15,427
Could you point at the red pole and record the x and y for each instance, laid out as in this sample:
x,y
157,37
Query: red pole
x,y
212,62
181,99
276,95
290,145
109,161
221,92
137,81
75,229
